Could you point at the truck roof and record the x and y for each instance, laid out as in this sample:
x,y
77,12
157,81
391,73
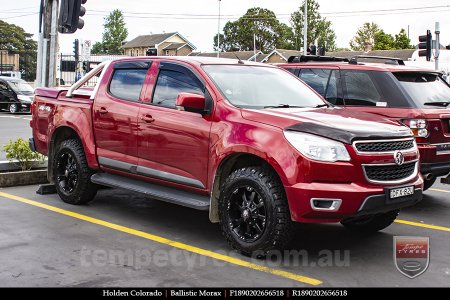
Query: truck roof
x,y
196,60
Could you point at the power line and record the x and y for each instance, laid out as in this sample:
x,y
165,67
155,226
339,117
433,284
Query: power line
x,y
14,9
2,18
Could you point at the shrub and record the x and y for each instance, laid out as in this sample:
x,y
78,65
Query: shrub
x,y
19,152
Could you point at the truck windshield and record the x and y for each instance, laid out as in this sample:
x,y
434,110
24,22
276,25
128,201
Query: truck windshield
x,y
20,87
261,87
426,89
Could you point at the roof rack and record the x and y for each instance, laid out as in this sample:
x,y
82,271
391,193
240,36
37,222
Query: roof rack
x,y
306,58
389,60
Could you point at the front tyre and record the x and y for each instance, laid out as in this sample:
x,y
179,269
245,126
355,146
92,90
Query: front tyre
x,y
254,213
371,223
72,175
13,108
427,183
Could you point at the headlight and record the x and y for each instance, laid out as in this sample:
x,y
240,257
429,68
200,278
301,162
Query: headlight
x,y
24,98
317,148
419,127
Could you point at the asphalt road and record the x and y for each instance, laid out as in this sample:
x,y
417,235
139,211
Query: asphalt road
x,y
13,127
123,239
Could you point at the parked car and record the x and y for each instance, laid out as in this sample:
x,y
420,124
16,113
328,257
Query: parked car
x,y
249,142
416,97
16,95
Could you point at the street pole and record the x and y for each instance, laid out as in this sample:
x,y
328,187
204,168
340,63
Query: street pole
x,y
254,45
53,44
305,30
38,82
218,33
437,45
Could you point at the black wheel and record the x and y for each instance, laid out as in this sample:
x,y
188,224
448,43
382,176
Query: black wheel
x,y
427,183
254,213
371,223
13,108
72,174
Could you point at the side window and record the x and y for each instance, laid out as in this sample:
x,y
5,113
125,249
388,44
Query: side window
x,y
292,70
360,89
170,83
127,84
316,78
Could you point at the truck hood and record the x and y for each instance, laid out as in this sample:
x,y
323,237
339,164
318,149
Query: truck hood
x,y
335,123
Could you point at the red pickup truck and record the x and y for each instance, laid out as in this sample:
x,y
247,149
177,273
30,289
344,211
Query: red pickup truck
x,y
249,142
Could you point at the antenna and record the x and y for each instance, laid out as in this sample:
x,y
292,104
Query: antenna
x,y
239,60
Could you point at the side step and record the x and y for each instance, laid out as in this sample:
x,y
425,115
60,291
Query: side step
x,y
446,180
155,191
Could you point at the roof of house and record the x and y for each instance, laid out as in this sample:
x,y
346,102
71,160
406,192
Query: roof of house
x,y
243,55
402,54
148,40
284,53
174,46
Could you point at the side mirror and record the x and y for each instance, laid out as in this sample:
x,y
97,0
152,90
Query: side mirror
x,y
191,102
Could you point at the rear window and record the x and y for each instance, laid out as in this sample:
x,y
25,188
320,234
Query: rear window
x,y
127,84
372,88
427,90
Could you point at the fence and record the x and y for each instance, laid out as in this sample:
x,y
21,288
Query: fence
x,y
71,70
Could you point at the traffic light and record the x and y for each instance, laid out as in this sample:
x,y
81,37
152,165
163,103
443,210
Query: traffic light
x,y
425,43
76,51
70,14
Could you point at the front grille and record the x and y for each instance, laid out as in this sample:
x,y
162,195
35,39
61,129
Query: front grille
x,y
384,146
388,173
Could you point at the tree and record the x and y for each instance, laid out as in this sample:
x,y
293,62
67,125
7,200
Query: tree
x,y
257,22
402,41
383,41
114,34
318,28
365,34
14,39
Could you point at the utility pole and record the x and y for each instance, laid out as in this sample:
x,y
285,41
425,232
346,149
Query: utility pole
x,y
48,44
305,30
218,33
437,46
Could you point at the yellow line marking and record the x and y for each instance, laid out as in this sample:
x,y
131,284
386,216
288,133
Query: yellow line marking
x,y
423,225
162,240
439,190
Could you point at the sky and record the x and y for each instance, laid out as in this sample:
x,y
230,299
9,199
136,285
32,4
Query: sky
x,y
197,20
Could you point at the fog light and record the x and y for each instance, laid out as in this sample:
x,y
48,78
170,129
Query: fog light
x,y
325,204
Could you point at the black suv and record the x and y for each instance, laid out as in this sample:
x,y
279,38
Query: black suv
x,y
16,95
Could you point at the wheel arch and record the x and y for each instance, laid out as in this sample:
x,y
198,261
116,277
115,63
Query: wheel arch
x,y
226,166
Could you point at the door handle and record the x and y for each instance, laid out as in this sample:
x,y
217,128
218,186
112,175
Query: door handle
x,y
147,119
103,110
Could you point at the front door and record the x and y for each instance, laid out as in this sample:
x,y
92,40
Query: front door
x,y
173,145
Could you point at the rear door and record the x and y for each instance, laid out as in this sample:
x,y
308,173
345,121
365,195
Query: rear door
x,y
173,145
115,113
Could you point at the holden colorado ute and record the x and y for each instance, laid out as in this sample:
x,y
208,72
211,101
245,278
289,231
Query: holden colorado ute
x,y
249,142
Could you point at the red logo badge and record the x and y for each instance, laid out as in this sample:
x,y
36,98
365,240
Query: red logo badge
x,y
411,255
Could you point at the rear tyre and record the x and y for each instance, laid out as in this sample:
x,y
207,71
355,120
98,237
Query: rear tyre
x,y
13,108
254,213
371,223
72,175
427,183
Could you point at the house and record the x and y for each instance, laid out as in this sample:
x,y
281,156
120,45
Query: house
x,y
242,55
280,56
170,44
9,62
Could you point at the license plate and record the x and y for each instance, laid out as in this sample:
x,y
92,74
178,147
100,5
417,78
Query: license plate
x,y
401,192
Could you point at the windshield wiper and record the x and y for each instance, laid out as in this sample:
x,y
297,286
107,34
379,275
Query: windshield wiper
x,y
440,103
321,105
282,106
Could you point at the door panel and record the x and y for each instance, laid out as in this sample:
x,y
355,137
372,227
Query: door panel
x,y
173,145
115,112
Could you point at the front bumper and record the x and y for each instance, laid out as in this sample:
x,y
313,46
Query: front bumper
x,y
356,200
435,169
434,162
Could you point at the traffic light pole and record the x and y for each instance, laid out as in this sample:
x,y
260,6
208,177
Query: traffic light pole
x,y
48,45
437,46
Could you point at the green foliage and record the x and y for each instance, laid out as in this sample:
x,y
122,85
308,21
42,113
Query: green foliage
x,y
371,32
114,34
402,41
270,33
365,34
14,39
20,151
318,28
383,41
